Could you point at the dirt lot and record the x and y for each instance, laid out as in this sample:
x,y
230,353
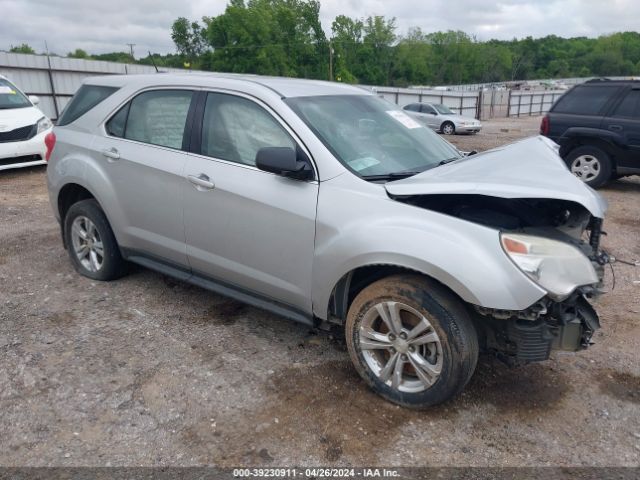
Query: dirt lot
x,y
150,371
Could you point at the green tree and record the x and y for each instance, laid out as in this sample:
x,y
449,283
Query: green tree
x,y
22,48
189,38
78,53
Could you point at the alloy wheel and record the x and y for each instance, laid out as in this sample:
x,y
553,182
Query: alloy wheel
x,y
87,244
401,347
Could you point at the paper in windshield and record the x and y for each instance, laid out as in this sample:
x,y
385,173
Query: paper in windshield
x,y
404,119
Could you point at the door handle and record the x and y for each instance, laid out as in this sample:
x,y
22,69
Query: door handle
x,y
202,182
111,154
617,128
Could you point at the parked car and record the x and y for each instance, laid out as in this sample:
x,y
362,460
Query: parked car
x,y
327,205
597,125
442,119
22,128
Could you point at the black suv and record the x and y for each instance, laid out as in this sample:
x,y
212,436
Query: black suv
x,y
597,125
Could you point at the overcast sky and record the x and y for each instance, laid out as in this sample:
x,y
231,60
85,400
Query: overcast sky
x,y
99,26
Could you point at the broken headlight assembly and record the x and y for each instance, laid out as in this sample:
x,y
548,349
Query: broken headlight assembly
x,y
556,266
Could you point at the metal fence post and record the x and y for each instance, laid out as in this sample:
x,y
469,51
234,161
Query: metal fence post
x,y
509,104
53,88
519,104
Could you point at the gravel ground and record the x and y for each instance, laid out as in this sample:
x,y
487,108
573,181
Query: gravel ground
x,y
150,371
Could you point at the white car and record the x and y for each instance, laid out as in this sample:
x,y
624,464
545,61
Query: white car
x,y
23,128
442,119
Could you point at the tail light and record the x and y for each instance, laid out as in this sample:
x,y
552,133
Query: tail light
x,y
50,142
544,125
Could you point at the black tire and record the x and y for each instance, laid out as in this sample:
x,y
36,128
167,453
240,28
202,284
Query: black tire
x,y
448,128
448,318
603,162
113,265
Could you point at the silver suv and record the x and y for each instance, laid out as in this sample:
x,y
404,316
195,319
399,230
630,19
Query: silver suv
x,y
326,204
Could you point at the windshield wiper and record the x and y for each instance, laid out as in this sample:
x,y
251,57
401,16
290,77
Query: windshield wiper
x,y
449,160
390,176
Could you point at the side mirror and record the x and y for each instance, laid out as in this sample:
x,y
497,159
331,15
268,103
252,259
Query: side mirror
x,y
34,99
283,161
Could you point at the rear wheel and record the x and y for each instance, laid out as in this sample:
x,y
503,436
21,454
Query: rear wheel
x,y
448,128
411,340
92,245
590,164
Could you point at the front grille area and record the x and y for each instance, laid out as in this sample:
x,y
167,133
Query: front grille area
x,y
19,134
21,159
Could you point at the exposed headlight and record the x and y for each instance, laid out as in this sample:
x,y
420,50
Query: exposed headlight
x,y
44,124
558,267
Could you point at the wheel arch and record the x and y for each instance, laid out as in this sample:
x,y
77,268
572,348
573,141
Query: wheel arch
x,y
605,144
357,279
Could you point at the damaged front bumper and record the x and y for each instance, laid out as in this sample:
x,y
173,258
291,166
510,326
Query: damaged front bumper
x,y
530,335
523,336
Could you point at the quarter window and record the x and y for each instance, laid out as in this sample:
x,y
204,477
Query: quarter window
x,y
158,117
235,128
117,124
585,100
87,97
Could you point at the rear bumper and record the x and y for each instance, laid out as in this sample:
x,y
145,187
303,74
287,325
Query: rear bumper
x,y
24,153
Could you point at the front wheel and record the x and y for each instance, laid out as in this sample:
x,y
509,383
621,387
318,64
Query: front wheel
x,y
411,340
448,128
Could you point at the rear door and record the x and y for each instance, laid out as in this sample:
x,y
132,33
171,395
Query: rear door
x,y
143,156
624,120
582,106
245,227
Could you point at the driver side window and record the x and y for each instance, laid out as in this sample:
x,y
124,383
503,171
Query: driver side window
x,y
235,128
428,109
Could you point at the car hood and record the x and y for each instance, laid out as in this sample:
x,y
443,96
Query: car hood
x,y
530,168
13,118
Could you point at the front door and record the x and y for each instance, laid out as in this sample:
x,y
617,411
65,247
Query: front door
x,y
246,227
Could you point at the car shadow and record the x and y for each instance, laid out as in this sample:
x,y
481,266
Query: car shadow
x,y
629,184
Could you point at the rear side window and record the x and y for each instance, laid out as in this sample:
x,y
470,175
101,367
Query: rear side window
x,y
158,117
414,107
628,108
585,100
87,97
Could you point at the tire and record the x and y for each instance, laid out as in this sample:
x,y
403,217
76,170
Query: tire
x,y
87,216
449,352
590,164
448,128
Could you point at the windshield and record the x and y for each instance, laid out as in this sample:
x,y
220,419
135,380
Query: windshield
x,y
443,109
370,136
11,97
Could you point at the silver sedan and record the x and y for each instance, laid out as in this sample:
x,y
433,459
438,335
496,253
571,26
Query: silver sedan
x,y
442,119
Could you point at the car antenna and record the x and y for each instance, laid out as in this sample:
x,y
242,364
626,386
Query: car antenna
x,y
152,62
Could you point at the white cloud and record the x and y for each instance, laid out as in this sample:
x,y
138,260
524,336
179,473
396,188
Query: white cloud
x,y
108,25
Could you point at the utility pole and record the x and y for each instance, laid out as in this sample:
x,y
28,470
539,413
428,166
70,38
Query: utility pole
x,y
131,45
330,61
